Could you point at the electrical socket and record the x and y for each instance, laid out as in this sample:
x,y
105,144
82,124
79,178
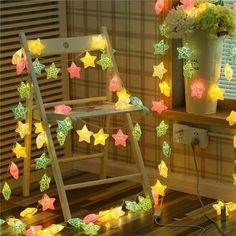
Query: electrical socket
x,y
184,134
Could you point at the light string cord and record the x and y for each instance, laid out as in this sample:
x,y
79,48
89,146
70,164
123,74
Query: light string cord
x,y
173,224
193,143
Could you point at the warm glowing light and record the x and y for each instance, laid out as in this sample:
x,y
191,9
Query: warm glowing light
x,y
162,128
163,169
159,107
42,162
228,72
187,3
84,134
165,88
39,127
90,218
122,94
197,89
215,93
21,65
38,67
160,48
17,56
22,129
62,109
19,111
47,202
231,118
44,183
32,231
115,84
218,207
6,191
29,211
24,90
100,137
137,132
35,46
19,151
105,61
14,171
120,138
98,42
17,227
159,6
74,71
159,70
159,188
41,139
166,149
88,60
91,229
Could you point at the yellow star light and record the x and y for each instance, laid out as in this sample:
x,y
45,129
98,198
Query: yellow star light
x,y
52,230
159,188
41,139
215,93
164,88
122,94
39,127
22,129
88,60
84,134
17,56
29,211
98,42
218,206
19,151
231,118
228,72
159,70
100,137
35,46
163,169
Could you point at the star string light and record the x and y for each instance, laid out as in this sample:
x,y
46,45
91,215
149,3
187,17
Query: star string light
x,y
76,222
44,183
137,132
132,206
184,52
46,202
24,90
91,229
33,229
166,149
17,227
188,70
122,94
35,47
159,107
187,4
38,67
17,56
6,191
84,134
115,84
161,129
100,137
159,6
159,70
105,61
65,125
74,70
231,118
159,188
21,65
165,88
61,138
160,48
98,42
52,71
120,138
62,109
41,139
90,218
52,230
164,30
197,88
136,102
217,206
29,211
19,111
88,60
228,72
232,54
42,162
39,127
163,169
19,151
144,203
14,171
215,93
22,129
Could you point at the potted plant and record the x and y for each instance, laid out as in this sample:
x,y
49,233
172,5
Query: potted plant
x,y
202,25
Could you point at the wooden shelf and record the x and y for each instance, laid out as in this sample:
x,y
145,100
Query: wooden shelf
x,y
180,114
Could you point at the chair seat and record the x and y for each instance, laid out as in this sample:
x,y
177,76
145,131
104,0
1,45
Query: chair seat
x,y
88,111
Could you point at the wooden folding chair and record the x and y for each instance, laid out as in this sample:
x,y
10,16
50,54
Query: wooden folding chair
x,y
107,109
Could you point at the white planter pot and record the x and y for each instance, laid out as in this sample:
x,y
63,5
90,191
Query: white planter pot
x,y
206,56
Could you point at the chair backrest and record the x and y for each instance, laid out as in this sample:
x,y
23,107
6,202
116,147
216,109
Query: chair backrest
x,y
74,45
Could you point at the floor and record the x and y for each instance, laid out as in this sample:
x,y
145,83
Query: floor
x,y
178,207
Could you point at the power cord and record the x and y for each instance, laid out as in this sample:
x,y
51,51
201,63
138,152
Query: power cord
x,y
195,142
157,214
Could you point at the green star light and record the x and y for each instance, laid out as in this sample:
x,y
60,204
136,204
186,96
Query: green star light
x,y
105,61
38,67
24,90
19,111
161,129
160,48
44,183
42,162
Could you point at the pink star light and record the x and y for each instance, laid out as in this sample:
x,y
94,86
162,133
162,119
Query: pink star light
x,y
74,71
120,138
187,3
197,89
159,107
47,202
115,84
32,231
62,109
14,171
234,7
90,218
159,6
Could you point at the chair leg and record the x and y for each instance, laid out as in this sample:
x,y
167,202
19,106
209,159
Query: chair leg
x,y
139,159
104,159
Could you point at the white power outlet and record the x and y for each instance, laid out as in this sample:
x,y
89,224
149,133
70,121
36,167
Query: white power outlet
x,y
184,134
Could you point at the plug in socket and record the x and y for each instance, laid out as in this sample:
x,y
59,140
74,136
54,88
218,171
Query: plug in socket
x,y
201,134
